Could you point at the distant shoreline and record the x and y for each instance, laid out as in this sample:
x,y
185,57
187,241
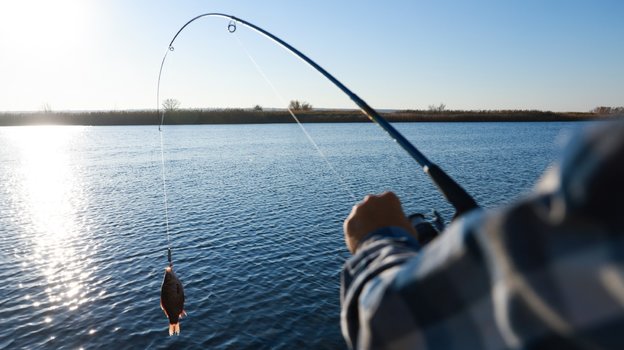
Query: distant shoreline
x,y
247,116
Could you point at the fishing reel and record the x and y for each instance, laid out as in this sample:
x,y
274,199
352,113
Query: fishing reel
x,y
427,227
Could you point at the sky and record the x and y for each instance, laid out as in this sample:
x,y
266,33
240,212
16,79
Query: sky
x,y
559,55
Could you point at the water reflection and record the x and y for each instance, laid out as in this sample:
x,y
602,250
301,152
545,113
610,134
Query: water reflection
x,y
51,194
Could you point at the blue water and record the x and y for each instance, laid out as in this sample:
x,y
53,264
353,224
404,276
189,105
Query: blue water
x,y
255,217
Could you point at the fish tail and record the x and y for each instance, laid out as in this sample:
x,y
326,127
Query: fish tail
x,y
174,329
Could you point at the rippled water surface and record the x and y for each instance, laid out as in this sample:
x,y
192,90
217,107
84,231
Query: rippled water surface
x,y
255,217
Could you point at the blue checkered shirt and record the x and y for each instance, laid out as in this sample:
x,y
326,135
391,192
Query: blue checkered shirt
x,y
544,273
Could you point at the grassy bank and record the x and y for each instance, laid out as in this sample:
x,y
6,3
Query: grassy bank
x,y
246,116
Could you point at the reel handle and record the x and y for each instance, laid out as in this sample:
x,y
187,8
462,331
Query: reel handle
x,y
427,228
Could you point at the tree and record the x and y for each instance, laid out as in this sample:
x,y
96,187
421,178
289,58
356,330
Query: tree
x,y
608,110
171,104
46,108
257,108
295,105
437,109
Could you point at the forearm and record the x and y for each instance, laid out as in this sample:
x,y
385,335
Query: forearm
x,y
379,252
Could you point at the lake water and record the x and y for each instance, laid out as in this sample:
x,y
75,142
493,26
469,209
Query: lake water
x,y
255,220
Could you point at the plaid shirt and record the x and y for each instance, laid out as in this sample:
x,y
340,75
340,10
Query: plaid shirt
x,y
546,272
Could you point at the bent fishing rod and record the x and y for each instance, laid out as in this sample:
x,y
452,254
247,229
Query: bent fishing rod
x,y
450,189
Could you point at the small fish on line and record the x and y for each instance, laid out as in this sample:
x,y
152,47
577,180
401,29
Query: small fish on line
x,y
172,300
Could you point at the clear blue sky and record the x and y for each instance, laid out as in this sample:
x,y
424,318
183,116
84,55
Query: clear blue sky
x,y
560,55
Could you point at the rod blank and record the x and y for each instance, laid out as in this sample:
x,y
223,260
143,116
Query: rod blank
x,y
450,189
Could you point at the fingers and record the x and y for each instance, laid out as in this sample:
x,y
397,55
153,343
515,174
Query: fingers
x,y
386,198
374,212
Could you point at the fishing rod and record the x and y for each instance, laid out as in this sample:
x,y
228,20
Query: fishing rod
x,y
450,189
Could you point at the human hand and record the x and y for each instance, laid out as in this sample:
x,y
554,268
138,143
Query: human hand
x,y
374,212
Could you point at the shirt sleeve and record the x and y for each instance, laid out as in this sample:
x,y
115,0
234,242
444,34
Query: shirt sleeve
x,y
396,294
544,272
378,253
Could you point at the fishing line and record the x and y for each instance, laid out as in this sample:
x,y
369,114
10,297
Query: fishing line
x,y
164,186
162,157
279,96
455,194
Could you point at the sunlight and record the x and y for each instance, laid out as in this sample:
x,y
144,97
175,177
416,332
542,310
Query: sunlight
x,y
44,25
47,177
47,47
50,188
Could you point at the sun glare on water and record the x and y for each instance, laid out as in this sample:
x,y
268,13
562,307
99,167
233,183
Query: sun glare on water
x,y
47,178
51,196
